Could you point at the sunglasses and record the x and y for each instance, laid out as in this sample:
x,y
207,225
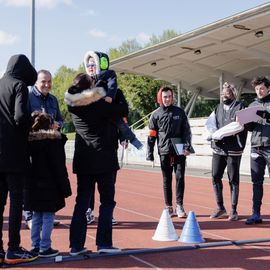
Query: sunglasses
x,y
91,65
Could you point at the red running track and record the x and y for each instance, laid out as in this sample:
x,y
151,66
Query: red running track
x,y
140,204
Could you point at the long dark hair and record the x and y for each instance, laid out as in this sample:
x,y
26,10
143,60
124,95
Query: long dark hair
x,y
81,82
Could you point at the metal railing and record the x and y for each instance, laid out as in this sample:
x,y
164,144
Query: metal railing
x,y
141,123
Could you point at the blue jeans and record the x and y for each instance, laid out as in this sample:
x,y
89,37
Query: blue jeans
x,y
85,189
42,226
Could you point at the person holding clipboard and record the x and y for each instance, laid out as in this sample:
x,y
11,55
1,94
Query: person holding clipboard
x,y
169,126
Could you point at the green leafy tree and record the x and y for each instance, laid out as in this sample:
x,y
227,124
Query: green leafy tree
x,y
61,82
166,35
125,48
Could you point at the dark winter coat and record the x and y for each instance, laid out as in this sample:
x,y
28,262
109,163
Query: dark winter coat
x,y
47,185
14,115
96,134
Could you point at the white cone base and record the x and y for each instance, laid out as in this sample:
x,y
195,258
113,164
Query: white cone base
x,y
165,230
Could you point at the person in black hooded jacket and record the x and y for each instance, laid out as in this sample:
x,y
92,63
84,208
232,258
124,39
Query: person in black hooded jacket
x,y
167,123
260,145
14,162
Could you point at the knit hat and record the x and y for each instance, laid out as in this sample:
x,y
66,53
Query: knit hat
x,y
231,87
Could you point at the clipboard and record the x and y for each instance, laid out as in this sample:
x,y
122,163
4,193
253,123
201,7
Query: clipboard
x,y
249,114
179,146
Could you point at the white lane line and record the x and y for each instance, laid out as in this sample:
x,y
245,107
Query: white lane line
x,y
137,213
145,262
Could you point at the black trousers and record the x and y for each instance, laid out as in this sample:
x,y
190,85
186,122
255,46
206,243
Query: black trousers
x,y
85,189
260,158
92,199
169,164
12,183
219,163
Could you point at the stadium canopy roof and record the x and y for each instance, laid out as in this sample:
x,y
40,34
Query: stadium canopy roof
x,y
234,49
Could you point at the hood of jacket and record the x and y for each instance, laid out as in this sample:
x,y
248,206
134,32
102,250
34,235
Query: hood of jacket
x,y
19,67
44,134
85,97
101,59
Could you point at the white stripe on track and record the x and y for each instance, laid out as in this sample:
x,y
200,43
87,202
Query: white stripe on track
x,y
145,262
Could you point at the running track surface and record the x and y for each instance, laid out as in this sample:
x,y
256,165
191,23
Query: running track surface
x,y
139,197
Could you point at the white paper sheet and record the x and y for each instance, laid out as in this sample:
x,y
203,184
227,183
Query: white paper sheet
x,y
179,147
249,115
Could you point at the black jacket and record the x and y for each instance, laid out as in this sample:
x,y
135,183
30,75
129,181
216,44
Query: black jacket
x,y
96,134
260,129
14,115
47,185
232,145
168,122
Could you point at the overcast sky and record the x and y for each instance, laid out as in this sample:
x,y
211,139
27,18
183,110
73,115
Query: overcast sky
x,y
66,29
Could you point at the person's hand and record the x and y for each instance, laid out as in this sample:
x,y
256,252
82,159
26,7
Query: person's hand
x,y
108,99
55,125
264,114
124,144
186,152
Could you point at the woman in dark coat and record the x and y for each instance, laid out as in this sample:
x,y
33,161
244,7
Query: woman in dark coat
x,y
48,184
95,159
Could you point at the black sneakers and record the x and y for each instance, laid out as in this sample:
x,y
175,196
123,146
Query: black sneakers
x,y
48,253
19,256
35,251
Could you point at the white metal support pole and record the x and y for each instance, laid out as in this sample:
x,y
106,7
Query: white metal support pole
x,y
195,96
179,94
221,79
33,32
